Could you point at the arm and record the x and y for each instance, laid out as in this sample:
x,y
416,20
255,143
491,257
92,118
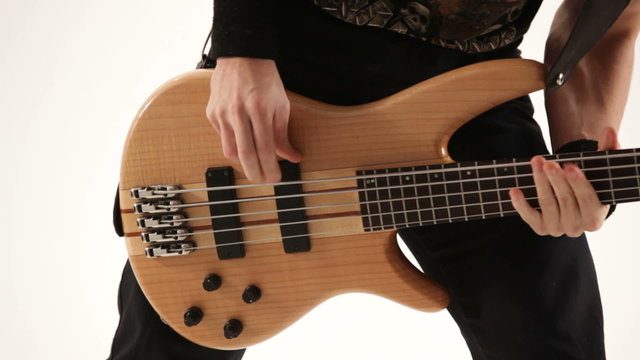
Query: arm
x,y
595,95
248,106
590,104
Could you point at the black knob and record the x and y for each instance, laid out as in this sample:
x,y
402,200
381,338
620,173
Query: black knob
x,y
193,316
232,328
251,294
212,282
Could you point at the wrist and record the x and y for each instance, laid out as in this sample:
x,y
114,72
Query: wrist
x,y
582,145
579,145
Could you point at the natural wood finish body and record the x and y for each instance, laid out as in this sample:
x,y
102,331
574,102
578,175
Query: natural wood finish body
x,y
171,142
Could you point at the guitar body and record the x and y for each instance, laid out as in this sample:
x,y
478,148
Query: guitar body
x,y
171,142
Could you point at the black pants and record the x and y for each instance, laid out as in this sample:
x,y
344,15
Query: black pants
x,y
514,295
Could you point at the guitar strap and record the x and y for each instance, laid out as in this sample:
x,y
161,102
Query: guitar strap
x,y
595,18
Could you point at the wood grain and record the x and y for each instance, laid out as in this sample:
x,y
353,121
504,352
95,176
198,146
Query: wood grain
x,y
171,142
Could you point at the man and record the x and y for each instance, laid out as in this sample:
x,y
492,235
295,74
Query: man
x,y
524,291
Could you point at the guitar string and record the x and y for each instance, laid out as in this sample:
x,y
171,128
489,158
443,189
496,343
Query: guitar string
x,y
403,198
344,230
607,155
352,190
392,213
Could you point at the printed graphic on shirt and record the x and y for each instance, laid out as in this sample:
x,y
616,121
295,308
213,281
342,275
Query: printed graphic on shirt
x,y
471,26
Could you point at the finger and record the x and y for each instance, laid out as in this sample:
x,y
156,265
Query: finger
x,y
213,118
228,140
246,149
263,139
281,138
608,139
530,215
570,217
593,212
213,114
546,198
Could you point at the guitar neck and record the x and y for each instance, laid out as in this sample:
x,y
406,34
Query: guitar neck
x,y
396,198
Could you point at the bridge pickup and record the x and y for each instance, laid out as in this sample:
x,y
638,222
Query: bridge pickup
x,y
157,207
161,221
293,227
170,249
229,243
165,235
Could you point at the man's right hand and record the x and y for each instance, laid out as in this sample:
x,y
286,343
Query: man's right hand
x,y
249,108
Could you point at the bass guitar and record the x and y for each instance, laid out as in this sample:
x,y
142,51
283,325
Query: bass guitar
x,y
227,263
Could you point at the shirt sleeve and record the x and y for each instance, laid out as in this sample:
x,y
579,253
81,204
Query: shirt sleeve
x,y
244,28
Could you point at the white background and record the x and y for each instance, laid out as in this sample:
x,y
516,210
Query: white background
x,y
72,75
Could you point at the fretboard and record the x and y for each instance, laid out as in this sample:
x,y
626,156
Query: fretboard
x,y
423,195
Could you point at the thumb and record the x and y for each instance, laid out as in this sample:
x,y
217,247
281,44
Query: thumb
x,y
608,139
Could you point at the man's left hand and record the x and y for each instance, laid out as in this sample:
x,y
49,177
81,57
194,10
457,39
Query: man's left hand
x,y
568,202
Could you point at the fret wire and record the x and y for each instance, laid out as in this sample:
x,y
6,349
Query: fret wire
x,y
381,198
404,206
415,189
515,172
446,196
407,203
403,211
433,210
374,181
366,198
476,174
479,189
613,196
371,221
393,220
464,202
495,171
635,162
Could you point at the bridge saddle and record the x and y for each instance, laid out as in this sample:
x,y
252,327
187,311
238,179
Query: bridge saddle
x,y
154,192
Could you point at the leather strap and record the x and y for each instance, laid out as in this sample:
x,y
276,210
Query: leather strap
x,y
595,18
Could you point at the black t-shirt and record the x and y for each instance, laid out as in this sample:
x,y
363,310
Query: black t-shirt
x,y
369,62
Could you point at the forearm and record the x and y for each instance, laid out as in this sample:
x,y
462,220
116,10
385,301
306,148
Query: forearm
x,y
596,93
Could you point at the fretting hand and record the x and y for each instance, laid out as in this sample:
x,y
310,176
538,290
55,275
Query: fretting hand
x,y
568,202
